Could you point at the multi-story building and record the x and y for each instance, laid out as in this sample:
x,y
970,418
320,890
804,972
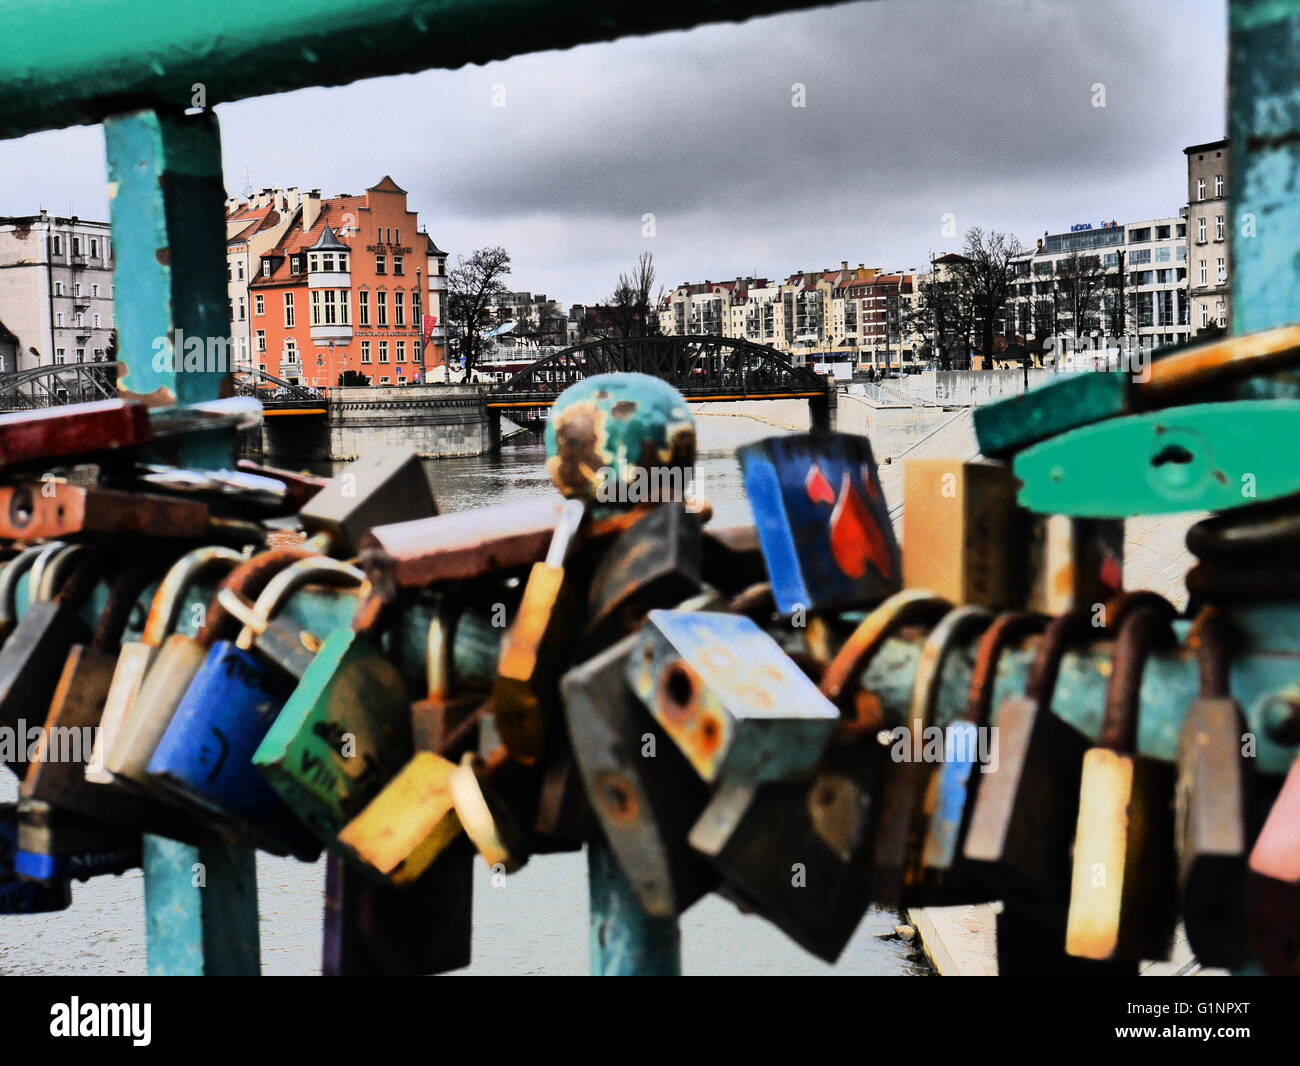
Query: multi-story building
x,y
253,226
1207,234
56,289
1114,289
534,315
353,285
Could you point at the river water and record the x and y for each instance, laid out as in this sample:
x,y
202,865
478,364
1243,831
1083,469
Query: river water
x,y
536,921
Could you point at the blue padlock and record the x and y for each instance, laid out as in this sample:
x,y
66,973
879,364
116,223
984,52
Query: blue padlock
x,y
205,756
822,521
18,896
55,845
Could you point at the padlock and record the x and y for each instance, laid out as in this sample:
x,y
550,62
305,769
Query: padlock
x,y
1211,824
1007,426
411,822
655,563
174,667
643,791
56,773
135,657
32,659
764,842
72,429
822,520
1123,902
205,754
18,896
1198,457
536,646
1023,820
1074,563
345,730
54,509
895,851
385,485
729,698
13,571
55,845
1273,885
377,930
964,535
954,788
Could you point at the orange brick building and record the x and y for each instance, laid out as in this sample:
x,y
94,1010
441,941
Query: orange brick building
x,y
353,284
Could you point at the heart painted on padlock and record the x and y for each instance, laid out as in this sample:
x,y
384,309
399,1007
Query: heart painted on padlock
x,y
818,488
856,539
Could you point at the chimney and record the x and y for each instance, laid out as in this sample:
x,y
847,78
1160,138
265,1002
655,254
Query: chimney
x,y
844,264
310,209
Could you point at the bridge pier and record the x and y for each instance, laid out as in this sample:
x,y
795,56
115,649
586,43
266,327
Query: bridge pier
x,y
822,410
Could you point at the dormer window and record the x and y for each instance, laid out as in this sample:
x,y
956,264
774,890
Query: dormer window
x,y
266,268
296,264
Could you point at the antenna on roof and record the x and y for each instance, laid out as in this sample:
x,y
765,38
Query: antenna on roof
x,y
248,184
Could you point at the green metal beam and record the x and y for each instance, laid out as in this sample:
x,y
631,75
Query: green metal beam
x,y
67,62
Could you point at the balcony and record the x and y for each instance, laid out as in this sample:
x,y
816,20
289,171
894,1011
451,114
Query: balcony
x,y
339,333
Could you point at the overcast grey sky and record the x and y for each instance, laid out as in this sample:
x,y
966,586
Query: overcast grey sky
x,y
914,109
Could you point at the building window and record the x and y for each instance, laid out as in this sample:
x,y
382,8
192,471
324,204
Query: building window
x,y
400,357
60,355
291,352
1162,255
94,248
381,307
239,270
1200,230
1200,188
295,264
1223,315
363,306
76,288
58,288
1218,184
266,268
399,310
397,236
94,291
1139,256
81,355
243,309
383,351
79,319
1182,253
1222,274
56,245
261,340
1204,276
76,245
94,320
365,351
288,309
399,264
415,307
259,304
1205,316
381,263
1218,227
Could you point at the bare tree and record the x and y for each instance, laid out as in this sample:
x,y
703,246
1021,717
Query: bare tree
x,y
1081,283
472,285
984,274
632,307
942,314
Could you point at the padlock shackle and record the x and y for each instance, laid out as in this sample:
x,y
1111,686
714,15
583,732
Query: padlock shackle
x,y
165,609
953,629
1269,531
1211,639
1005,629
908,607
9,578
123,594
438,650
248,579
280,588
572,513
1061,632
1142,629
41,583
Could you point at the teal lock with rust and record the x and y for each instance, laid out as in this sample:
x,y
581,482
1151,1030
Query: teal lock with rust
x,y
1074,400
1202,457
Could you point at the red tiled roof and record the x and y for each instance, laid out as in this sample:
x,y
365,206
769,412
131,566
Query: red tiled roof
x,y
295,240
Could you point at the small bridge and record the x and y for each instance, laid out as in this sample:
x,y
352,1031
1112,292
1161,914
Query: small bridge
x,y
702,368
280,397
50,386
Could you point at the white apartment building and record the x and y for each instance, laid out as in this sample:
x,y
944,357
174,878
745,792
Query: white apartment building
x,y
1207,234
1131,281
56,290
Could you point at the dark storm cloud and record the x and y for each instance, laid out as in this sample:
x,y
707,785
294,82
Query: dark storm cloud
x,y
915,110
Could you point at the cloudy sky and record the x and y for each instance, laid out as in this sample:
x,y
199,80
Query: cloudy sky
x,y
914,110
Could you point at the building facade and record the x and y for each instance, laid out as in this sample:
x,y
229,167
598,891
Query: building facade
x,y
1116,288
1207,235
56,290
352,284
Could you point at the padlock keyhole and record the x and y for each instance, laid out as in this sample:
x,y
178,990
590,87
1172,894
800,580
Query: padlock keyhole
x,y
1172,453
678,686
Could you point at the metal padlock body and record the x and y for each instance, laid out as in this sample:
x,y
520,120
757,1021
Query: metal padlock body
x,y
1210,829
1192,458
762,842
205,755
53,510
352,696
655,563
385,485
59,778
729,697
1273,883
822,520
18,896
174,667
31,662
376,930
1123,889
57,845
646,802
